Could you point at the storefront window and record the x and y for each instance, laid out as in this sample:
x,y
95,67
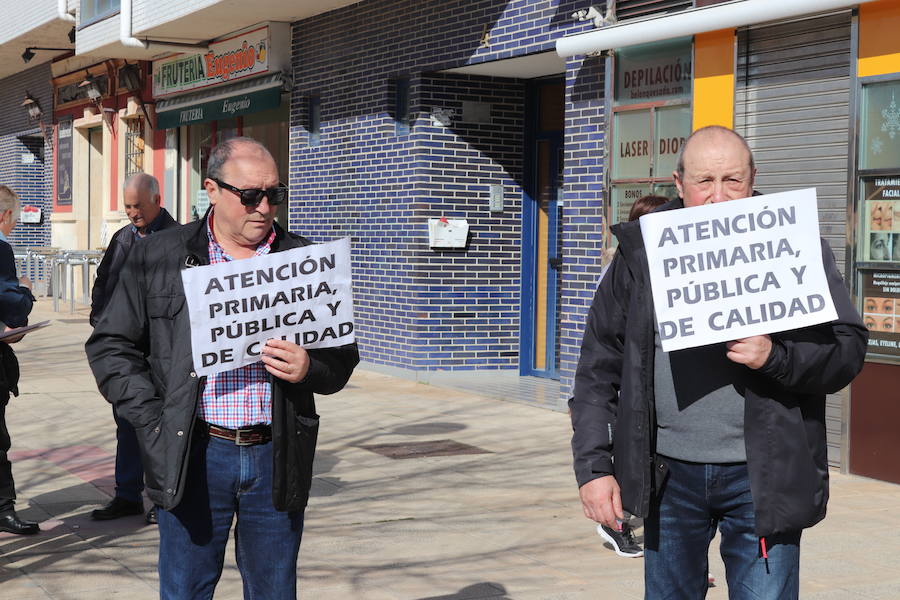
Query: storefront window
x,y
878,212
651,121
271,129
134,146
672,126
879,140
633,146
200,146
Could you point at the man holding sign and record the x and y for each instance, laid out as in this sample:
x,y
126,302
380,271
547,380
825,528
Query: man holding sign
x,y
236,441
716,434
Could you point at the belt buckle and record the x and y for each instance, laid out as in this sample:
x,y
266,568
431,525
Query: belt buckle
x,y
244,437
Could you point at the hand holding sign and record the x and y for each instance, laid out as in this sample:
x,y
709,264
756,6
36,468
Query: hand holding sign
x,y
285,360
752,351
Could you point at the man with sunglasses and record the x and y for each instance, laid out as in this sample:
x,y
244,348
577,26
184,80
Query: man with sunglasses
x,y
238,443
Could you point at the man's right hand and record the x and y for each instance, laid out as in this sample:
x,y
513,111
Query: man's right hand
x,y
25,282
602,501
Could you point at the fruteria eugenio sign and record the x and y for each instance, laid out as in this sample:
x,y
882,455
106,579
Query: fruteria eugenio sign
x,y
226,61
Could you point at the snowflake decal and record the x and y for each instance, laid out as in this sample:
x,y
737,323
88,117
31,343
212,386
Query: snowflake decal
x,y
877,145
891,118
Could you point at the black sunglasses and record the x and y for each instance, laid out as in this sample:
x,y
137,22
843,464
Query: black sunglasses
x,y
253,196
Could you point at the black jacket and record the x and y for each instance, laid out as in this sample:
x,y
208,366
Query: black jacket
x,y
140,353
114,258
15,300
784,414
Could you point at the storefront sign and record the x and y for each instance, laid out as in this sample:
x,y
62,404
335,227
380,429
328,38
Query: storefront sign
x,y
653,72
240,104
302,295
64,163
730,270
881,219
228,60
880,293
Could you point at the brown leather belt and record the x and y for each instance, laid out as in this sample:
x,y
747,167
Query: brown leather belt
x,y
245,436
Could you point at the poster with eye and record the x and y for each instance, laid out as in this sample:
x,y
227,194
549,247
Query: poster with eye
x,y
881,220
880,296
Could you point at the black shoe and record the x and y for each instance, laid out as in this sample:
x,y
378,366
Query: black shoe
x,y
151,517
623,542
118,507
11,523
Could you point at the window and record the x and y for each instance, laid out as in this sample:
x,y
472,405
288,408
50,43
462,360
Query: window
x,y
95,10
134,147
74,92
401,106
878,218
651,121
315,121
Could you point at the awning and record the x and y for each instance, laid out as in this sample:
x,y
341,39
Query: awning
x,y
740,13
223,102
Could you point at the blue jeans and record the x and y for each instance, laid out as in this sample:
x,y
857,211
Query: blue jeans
x,y
694,500
224,480
129,471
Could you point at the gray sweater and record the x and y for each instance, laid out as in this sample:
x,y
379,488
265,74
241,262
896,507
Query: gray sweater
x,y
699,405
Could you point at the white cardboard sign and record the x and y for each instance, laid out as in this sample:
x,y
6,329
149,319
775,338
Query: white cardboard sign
x,y
735,269
303,295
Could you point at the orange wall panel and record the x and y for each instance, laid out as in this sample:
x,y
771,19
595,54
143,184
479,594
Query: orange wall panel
x,y
714,79
879,44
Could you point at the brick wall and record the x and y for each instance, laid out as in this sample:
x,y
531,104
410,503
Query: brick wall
x,y
583,215
419,308
26,162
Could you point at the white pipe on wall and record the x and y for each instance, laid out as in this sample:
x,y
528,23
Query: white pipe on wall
x,y
692,21
125,36
62,11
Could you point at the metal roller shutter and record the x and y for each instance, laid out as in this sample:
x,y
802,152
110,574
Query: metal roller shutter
x,y
632,9
792,94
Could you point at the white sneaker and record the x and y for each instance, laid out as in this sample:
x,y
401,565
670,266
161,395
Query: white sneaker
x,y
623,542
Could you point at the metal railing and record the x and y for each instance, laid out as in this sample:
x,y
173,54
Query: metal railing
x,y
53,272
62,281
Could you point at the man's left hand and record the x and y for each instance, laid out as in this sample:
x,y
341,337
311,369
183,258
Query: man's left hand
x,y
751,351
285,360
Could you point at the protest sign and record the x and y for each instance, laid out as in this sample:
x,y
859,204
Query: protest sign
x,y
735,269
302,295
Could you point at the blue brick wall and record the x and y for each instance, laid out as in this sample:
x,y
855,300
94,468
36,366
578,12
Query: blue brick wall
x,y
26,161
416,307
583,210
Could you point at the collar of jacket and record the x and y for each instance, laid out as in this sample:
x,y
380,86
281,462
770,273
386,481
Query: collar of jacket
x,y
631,243
197,242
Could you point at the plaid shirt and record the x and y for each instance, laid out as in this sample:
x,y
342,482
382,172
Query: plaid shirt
x,y
243,396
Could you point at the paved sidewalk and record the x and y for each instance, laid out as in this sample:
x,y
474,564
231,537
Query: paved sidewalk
x,y
501,524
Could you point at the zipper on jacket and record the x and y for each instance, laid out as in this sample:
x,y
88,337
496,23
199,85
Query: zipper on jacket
x,y
765,554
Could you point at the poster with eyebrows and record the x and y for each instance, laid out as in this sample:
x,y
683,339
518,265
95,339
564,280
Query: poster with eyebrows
x,y
880,295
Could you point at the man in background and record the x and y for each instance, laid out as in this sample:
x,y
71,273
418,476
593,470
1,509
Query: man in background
x,y
16,302
141,198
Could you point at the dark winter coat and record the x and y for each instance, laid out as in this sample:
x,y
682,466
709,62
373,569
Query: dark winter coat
x,y
140,353
114,258
784,415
